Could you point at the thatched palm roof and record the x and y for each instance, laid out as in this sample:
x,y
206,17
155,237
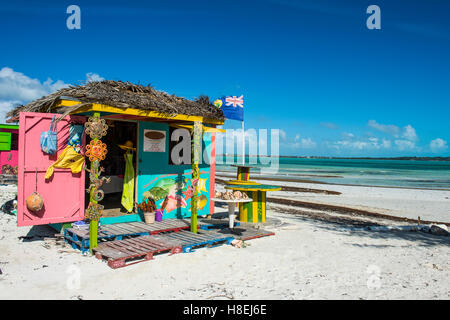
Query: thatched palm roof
x,y
124,95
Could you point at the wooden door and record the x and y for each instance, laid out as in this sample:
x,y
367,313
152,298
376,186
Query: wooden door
x,y
64,192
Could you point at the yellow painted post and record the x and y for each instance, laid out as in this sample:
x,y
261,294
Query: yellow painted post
x,y
196,154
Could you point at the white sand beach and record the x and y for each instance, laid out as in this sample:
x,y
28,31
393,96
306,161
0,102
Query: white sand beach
x,y
306,259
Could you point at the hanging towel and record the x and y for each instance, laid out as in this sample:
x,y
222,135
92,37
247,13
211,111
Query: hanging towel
x,y
69,158
128,183
76,136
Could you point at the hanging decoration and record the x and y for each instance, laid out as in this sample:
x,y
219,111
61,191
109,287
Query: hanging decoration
x,y
96,128
96,181
96,150
35,202
94,211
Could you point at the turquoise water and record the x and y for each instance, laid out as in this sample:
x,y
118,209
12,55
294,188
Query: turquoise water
x,y
393,173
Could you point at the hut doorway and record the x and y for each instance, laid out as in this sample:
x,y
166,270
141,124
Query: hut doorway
x,y
120,133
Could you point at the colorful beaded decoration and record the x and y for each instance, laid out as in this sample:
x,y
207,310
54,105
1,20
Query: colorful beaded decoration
x,y
96,128
96,150
94,211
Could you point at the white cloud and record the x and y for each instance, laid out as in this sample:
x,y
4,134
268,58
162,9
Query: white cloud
x,y
386,144
348,135
438,145
409,133
329,125
372,143
307,143
282,134
386,128
405,145
91,77
297,142
17,88
346,144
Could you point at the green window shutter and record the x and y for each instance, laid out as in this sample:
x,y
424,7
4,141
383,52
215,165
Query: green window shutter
x,y
5,141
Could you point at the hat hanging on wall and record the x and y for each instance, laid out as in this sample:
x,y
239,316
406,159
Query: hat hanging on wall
x,y
127,146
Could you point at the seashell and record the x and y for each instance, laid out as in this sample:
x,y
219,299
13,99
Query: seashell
x,y
237,194
218,194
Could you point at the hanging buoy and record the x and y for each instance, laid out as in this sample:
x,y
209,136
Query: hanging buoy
x,y
35,202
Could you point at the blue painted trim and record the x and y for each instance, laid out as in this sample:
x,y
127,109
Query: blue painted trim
x,y
124,218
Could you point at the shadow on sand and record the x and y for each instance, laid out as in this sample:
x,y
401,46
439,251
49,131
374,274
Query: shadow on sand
x,y
417,237
38,233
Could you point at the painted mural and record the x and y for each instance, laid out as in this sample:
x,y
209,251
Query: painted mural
x,y
178,188
157,179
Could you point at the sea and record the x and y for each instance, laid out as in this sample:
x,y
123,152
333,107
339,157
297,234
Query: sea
x,y
362,172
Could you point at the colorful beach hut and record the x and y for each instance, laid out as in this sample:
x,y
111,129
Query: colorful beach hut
x,y
9,136
131,137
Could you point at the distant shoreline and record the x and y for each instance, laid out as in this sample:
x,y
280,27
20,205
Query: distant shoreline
x,y
355,158
226,174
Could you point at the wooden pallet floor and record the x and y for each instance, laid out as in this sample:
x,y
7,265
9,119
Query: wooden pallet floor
x,y
79,238
189,240
122,253
245,233
208,224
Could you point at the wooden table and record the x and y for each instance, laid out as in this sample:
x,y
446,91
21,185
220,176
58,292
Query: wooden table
x,y
243,175
231,207
254,212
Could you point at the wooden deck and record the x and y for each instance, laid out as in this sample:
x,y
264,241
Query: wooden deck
x,y
128,243
79,238
190,241
245,232
208,224
122,253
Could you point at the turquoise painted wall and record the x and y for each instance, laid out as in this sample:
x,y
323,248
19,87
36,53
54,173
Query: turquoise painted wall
x,y
154,171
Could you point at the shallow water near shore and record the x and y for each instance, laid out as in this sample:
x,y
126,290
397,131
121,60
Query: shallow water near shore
x,y
364,172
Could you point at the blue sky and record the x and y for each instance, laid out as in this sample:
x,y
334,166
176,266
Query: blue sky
x,y
309,68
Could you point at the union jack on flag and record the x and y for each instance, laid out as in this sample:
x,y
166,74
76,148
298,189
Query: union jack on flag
x,y
235,101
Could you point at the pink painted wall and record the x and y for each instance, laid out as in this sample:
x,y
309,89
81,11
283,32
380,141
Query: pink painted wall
x,y
9,157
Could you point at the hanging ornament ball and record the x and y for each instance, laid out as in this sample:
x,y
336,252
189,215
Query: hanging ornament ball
x,y
35,202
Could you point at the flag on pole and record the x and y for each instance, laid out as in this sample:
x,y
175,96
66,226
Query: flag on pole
x,y
232,107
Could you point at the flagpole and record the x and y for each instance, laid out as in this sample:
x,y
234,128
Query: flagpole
x,y
243,143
